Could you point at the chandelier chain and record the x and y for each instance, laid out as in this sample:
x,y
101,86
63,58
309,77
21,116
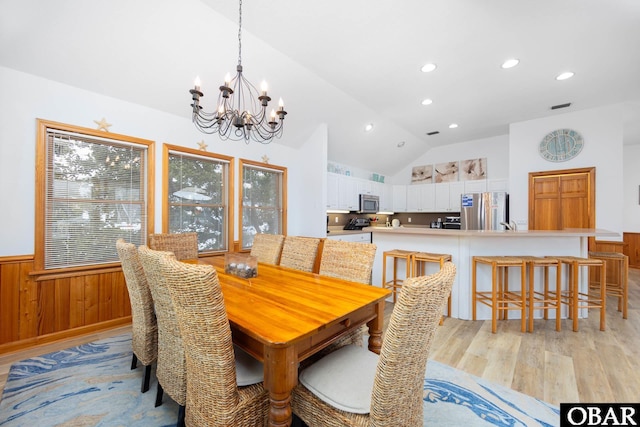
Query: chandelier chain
x,y
240,34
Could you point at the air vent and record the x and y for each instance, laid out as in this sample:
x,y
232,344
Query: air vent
x,y
433,133
555,107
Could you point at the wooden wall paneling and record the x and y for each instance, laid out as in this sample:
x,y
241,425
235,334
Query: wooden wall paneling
x,y
632,248
76,302
46,306
62,303
10,302
121,305
28,302
105,296
91,299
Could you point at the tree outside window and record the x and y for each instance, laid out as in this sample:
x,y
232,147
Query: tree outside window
x,y
197,195
263,200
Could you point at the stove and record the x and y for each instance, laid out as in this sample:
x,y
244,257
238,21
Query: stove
x,y
451,223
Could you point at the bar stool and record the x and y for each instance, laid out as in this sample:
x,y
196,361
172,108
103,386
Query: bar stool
x,y
548,298
576,299
500,298
621,268
395,284
418,268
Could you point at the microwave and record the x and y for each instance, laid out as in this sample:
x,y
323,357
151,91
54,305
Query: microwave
x,y
369,204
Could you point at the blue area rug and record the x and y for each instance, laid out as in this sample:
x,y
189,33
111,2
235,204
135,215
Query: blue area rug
x,y
92,385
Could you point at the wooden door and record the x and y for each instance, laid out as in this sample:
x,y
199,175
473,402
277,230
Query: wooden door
x,y
562,199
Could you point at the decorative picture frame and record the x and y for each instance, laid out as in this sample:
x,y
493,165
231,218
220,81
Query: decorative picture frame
x,y
473,169
447,172
422,174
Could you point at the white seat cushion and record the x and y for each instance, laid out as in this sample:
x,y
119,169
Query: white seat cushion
x,y
343,379
248,369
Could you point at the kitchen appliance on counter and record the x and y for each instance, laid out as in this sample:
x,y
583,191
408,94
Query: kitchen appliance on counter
x,y
357,224
484,211
369,204
451,223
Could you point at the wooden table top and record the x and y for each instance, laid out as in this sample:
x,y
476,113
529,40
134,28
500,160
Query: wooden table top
x,y
281,305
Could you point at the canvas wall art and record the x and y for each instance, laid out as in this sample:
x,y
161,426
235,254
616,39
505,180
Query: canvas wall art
x,y
422,174
473,169
446,172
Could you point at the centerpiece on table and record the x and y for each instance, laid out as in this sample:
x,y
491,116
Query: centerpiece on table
x,y
241,265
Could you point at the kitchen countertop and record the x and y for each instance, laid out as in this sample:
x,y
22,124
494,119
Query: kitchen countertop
x,y
576,232
339,231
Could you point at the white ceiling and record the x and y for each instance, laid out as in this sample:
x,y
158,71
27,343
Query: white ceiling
x,y
346,63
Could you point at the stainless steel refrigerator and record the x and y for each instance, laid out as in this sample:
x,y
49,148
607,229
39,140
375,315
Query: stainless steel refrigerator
x,y
484,211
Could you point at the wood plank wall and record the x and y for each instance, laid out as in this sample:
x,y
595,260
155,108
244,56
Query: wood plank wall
x,y
35,311
632,248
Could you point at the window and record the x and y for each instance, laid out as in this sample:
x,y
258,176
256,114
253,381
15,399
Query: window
x,y
92,188
263,193
196,193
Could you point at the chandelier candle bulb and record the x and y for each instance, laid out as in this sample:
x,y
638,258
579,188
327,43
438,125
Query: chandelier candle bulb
x,y
263,88
197,83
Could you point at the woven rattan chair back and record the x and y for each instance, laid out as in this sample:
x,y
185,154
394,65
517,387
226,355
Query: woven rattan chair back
x,y
144,328
299,252
267,248
347,260
183,245
171,370
398,387
213,397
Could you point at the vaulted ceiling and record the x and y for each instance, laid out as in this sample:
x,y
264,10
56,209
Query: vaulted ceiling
x,y
344,64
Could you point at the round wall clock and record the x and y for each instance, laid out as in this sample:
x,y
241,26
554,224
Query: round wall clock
x,y
561,145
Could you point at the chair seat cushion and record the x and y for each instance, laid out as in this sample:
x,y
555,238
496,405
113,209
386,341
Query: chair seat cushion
x,y
248,369
343,379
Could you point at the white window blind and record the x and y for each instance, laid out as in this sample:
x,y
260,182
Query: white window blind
x,y
95,193
199,198
262,202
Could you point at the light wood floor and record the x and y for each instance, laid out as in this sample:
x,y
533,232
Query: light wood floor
x,y
557,367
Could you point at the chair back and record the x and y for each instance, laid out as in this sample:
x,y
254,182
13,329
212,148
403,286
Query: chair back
x,y
405,349
299,252
212,393
144,328
171,368
347,260
267,247
183,245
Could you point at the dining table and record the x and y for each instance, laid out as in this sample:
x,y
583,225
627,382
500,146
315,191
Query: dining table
x,y
284,316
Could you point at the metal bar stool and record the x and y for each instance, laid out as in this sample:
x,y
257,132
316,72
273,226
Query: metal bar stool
x,y
547,298
621,287
500,298
418,268
576,299
395,284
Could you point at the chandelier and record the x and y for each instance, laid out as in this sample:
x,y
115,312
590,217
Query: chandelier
x,y
241,112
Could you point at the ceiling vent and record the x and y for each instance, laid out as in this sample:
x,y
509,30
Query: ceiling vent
x,y
555,107
433,133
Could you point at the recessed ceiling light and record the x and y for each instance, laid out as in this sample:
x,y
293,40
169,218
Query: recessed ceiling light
x,y
400,144
453,126
427,101
565,76
368,127
427,68
510,63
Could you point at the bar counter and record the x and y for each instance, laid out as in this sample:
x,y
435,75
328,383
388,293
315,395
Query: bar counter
x,y
462,245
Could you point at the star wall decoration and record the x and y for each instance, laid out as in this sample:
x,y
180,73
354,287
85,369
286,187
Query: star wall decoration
x,y
202,146
265,159
102,125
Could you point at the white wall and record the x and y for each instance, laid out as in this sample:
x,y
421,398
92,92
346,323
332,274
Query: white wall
x,y
494,149
26,97
631,188
601,129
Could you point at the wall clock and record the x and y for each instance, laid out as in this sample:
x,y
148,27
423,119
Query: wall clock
x,y
561,145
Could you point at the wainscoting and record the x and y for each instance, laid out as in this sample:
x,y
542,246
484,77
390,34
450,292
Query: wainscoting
x,y
632,248
34,311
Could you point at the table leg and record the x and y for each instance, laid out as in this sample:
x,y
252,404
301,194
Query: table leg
x,y
280,377
375,328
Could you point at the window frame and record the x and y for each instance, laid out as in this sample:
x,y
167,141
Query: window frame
x,y
260,165
167,149
42,191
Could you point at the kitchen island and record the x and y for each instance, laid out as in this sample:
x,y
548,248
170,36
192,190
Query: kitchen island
x,y
463,245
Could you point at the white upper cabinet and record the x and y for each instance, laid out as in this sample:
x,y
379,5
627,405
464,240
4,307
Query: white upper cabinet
x,y
447,196
498,185
333,191
421,198
400,198
477,186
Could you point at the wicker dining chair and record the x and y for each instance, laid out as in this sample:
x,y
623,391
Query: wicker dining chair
x,y
348,261
183,245
224,387
267,247
355,387
299,252
171,369
144,328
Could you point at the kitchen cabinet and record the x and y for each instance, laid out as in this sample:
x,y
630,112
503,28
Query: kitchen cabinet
x,y
333,191
447,196
399,198
476,186
348,193
421,198
352,237
385,192
498,185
